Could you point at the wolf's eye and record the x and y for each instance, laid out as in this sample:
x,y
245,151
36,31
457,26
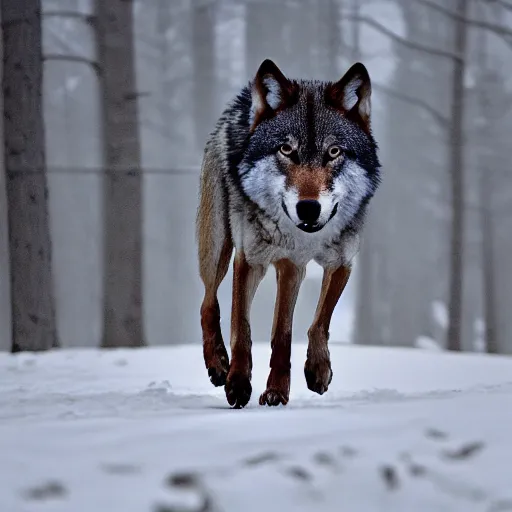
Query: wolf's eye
x,y
334,152
286,149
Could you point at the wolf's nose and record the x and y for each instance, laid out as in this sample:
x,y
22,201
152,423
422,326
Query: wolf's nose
x,y
308,210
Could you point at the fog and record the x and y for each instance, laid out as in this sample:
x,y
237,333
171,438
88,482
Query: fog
x,y
191,58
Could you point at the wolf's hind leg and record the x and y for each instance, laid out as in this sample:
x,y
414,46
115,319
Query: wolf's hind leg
x,y
215,249
317,368
289,279
246,279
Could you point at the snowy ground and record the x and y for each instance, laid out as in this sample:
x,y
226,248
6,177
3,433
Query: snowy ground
x,y
399,430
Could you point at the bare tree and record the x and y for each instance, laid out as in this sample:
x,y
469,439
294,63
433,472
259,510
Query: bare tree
x,y
490,95
399,238
496,176
203,21
33,309
456,170
329,49
123,322
5,299
410,324
164,22
487,244
365,321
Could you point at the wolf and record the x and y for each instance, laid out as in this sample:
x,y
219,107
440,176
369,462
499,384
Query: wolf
x,y
287,176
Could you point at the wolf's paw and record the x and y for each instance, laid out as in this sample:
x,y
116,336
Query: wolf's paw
x,y
238,390
218,367
318,375
273,396
217,376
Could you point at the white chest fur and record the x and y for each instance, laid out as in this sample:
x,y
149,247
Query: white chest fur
x,y
264,241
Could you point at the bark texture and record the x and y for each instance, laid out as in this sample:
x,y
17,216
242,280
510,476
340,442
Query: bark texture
x,y
32,295
454,338
123,322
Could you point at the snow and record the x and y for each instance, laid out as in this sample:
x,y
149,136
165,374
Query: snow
x,y
427,343
144,430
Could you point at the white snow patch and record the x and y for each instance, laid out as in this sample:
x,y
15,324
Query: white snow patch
x,y
439,313
135,430
426,343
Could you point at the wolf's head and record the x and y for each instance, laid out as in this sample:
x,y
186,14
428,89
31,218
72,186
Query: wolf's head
x,y
311,155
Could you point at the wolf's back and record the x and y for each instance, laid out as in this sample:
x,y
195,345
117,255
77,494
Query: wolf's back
x,y
223,152
229,139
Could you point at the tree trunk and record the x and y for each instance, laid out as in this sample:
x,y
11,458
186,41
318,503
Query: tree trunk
x,y
454,341
489,288
485,88
356,31
204,85
327,45
164,24
123,323
32,298
5,294
367,330
364,329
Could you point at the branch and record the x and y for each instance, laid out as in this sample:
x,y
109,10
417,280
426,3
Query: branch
x,y
74,58
87,18
492,27
405,42
436,116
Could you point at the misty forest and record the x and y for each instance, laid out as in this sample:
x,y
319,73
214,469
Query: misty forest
x,y
107,107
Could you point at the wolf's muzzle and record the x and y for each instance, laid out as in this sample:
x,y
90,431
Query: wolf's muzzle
x,y
308,212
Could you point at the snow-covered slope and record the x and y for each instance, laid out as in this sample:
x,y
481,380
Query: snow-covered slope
x,y
143,430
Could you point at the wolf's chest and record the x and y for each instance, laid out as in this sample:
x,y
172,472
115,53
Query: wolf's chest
x,y
267,242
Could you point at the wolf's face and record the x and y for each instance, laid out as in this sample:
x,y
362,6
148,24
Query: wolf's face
x,y
311,156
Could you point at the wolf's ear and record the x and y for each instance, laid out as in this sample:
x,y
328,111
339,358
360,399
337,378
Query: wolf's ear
x,y
352,95
271,92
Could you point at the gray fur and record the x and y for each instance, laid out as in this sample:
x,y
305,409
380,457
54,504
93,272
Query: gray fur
x,y
246,167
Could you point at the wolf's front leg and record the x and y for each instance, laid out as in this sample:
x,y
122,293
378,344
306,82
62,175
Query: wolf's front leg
x,y
289,279
214,259
317,368
215,248
246,279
